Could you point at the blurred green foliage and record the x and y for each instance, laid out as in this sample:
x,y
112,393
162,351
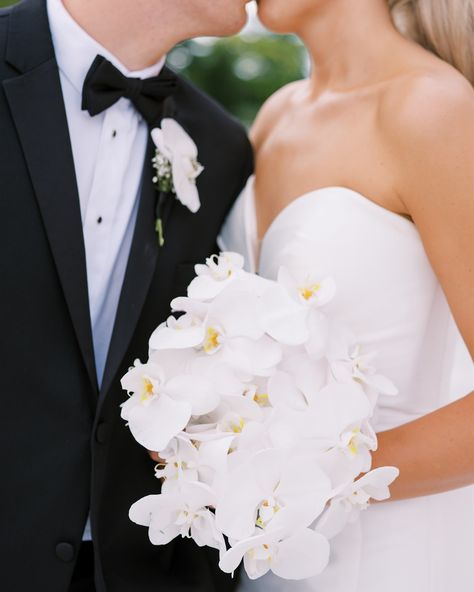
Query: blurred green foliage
x,y
240,72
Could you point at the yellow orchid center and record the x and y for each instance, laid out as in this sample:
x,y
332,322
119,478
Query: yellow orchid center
x,y
212,341
147,392
259,522
256,553
266,512
307,292
237,427
267,548
261,399
353,446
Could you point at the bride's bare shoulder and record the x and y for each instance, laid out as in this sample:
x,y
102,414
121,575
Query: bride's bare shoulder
x,y
427,122
427,103
272,110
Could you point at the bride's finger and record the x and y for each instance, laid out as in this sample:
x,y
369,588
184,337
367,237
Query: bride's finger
x,y
154,456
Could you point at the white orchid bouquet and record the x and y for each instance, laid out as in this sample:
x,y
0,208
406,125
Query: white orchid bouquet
x,y
259,404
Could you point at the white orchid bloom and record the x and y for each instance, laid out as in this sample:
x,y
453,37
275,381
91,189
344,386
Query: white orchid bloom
x,y
159,409
229,328
234,413
283,391
183,512
171,332
307,288
213,277
226,379
334,417
181,151
176,361
257,391
337,418
229,417
303,554
287,427
297,381
357,366
181,463
220,432
349,361
184,332
359,441
291,310
353,498
372,485
269,488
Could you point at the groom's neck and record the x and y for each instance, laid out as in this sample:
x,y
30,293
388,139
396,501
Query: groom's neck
x,y
137,33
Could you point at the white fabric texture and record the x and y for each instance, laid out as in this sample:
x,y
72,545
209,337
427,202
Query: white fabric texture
x,y
109,151
388,293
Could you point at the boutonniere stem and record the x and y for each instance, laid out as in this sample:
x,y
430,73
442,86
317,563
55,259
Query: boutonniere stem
x,y
159,231
159,217
176,169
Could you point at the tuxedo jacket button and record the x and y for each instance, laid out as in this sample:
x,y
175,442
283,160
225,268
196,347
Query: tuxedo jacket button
x,y
102,433
65,552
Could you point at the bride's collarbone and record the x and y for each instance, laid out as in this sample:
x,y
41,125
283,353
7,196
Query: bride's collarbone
x,y
287,169
273,197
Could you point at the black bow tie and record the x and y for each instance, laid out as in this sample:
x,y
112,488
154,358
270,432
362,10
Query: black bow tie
x,y
105,85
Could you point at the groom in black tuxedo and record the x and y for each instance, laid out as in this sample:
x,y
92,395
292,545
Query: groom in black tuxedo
x,y
84,280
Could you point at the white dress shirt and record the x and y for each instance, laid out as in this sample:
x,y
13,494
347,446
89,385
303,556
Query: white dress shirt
x,y
109,151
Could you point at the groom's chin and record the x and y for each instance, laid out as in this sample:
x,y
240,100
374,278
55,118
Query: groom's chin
x,y
233,26
231,20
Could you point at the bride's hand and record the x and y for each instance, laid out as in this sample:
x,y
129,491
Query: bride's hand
x,y
154,456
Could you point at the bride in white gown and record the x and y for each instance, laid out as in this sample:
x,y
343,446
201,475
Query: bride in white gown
x,y
372,159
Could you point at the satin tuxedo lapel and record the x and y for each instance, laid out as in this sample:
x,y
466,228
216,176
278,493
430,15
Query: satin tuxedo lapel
x,y
37,107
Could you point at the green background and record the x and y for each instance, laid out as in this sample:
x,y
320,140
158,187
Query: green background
x,y
240,72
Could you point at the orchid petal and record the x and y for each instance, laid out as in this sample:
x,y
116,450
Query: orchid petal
x,y
185,186
256,357
214,453
336,407
302,555
382,384
283,391
177,139
159,141
377,481
283,318
334,519
154,425
177,337
232,558
193,307
205,287
237,312
196,390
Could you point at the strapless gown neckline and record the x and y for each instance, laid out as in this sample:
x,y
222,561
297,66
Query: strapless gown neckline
x,y
387,292
314,194
255,243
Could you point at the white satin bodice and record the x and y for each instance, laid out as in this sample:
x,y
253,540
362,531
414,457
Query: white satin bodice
x,y
386,289
389,294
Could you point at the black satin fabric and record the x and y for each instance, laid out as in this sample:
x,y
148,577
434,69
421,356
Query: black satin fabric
x,y
104,85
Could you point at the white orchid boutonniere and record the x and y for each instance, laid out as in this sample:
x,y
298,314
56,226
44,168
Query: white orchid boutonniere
x,y
176,167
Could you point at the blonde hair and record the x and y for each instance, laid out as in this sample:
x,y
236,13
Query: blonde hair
x,y
445,27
